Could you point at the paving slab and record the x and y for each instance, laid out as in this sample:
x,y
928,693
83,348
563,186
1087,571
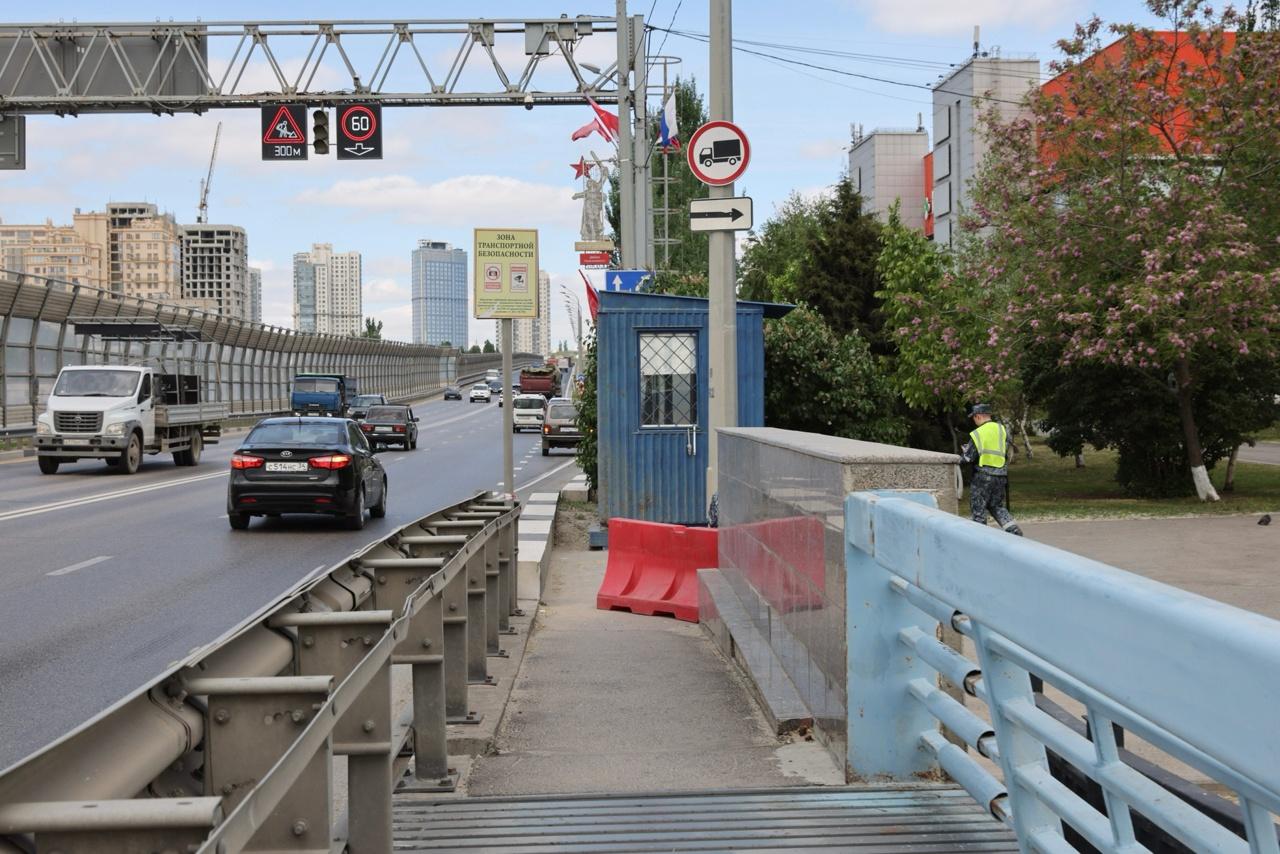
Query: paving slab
x,y
608,701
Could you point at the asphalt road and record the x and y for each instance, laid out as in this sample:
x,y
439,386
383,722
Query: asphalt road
x,y
105,579
1263,452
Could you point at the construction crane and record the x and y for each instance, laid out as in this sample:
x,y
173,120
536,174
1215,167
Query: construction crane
x,y
203,214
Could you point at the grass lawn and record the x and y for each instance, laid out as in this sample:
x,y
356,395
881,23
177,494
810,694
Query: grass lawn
x,y
1050,486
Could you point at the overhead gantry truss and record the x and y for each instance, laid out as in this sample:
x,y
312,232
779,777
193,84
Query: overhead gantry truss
x,y
191,67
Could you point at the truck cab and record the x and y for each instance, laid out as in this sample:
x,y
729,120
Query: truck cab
x,y
118,413
322,394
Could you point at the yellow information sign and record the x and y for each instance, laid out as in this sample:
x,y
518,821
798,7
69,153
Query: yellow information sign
x,y
506,283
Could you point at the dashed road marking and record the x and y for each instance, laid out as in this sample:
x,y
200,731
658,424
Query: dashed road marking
x,y
84,564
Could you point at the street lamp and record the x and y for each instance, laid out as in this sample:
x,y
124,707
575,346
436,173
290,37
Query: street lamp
x,y
573,306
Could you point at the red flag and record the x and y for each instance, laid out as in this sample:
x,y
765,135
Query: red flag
x,y
589,128
608,121
593,299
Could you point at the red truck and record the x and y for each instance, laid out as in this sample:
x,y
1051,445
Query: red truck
x,y
544,381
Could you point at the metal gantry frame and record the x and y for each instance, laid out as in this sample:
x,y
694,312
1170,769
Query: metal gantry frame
x,y
74,68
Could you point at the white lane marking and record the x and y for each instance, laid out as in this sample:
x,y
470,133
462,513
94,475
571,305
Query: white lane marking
x,y
543,477
84,564
318,568
106,496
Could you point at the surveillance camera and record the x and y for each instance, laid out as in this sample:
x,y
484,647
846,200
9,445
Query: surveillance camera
x,y
528,102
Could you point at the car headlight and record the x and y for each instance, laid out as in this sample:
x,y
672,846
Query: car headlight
x,y
43,429
116,429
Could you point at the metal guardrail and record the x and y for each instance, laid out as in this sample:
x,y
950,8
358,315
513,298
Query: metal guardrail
x,y
232,749
1192,677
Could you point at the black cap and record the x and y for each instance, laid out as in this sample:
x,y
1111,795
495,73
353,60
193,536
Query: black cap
x,y
979,409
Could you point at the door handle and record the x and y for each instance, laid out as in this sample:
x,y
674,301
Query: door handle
x,y
690,447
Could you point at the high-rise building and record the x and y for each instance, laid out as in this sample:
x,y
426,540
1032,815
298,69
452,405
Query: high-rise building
x,y
439,294
981,84
884,167
215,269
144,251
68,253
531,334
255,294
327,291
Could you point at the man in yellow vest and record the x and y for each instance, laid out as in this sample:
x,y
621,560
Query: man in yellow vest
x,y
988,450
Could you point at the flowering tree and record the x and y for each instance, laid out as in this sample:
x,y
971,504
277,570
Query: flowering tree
x,y
1132,212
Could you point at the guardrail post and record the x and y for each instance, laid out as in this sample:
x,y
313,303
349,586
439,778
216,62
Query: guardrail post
x,y
423,648
477,618
250,724
885,722
455,652
508,569
335,643
494,598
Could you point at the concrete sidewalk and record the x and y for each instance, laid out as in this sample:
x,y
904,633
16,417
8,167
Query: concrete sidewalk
x,y
616,702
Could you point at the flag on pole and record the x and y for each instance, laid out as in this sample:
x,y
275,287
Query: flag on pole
x,y
668,128
593,299
589,128
608,120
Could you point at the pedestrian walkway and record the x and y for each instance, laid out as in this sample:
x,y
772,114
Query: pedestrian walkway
x,y
614,702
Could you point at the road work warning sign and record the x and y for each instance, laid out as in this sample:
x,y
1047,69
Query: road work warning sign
x,y
506,259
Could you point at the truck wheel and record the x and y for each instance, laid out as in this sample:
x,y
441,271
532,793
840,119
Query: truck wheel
x,y
48,465
131,456
239,521
355,522
191,456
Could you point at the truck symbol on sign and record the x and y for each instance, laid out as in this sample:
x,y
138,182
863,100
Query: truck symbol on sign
x,y
721,151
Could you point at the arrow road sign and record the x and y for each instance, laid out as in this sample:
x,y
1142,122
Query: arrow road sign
x,y
720,214
284,132
359,131
626,280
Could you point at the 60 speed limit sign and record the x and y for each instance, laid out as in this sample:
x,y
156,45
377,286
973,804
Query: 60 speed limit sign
x,y
359,131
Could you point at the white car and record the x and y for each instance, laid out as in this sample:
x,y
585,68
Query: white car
x,y
480,391
526,412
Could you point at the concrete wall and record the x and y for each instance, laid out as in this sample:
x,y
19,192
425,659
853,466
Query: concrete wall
x,y
781,505
886,167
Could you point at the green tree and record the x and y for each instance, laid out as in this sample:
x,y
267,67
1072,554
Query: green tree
x,y
589,446
775,255
824,382
474,348
446,343
488,347
372,329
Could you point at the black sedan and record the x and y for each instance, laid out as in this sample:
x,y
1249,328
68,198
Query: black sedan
x,y
452,392
306,465
391,425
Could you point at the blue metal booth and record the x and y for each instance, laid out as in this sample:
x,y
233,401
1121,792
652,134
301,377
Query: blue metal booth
x,y
652,389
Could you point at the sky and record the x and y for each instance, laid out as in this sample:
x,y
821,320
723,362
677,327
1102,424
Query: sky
x,y
446,171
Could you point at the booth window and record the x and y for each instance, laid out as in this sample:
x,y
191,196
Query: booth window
x,y
668,379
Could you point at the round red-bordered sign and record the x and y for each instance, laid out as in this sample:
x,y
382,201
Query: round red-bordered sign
x,y
346,128
718,153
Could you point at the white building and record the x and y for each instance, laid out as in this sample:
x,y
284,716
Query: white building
x,y
255,295
215,268
959,100
438,280
531,335
327,291
887,166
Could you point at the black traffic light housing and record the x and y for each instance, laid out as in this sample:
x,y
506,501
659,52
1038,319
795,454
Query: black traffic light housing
x,y
320,131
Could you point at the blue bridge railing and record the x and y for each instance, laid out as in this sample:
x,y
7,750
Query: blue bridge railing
x,y
1195,678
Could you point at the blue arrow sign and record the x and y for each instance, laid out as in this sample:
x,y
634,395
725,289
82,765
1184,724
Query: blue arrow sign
x,y
625,280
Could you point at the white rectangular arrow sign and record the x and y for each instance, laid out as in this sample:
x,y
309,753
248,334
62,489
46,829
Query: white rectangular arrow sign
x,y
720,214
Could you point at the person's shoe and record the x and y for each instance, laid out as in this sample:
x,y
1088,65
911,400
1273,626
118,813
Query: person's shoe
x,y
1015,530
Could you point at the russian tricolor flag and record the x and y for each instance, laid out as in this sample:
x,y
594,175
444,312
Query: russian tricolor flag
x,y
668,129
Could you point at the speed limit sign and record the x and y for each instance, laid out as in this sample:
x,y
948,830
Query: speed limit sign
x,y
359,131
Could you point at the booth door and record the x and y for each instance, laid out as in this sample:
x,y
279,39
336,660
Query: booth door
x,y
672,441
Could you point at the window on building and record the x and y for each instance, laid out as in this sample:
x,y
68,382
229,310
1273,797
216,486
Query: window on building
x,y
668,379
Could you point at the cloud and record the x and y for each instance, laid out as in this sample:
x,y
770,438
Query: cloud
x,y
385,290
823,149
476,199
946,17
397,323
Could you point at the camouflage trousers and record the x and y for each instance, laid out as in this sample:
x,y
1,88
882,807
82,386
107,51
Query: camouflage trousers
x,y
986,493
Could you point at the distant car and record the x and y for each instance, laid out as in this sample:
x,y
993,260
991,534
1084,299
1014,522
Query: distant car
x,y
480,392
495,386
527,411
452,392
360,404
391,425
306,465
560,425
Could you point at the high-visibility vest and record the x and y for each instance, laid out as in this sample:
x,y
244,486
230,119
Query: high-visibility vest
x,y
990,440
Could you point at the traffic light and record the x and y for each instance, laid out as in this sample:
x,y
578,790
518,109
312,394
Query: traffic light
x,y
320,131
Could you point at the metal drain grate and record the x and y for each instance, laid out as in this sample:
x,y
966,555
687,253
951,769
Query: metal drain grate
x,y
865,820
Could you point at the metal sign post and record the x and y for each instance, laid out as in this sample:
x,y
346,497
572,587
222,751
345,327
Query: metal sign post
x,y
508,412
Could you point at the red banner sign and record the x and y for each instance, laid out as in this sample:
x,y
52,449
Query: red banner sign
x,y
594,259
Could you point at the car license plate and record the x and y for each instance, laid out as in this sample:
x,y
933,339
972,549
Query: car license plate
x,y
382,429
286,466
76,442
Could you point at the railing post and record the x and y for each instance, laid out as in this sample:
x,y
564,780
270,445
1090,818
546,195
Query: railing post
x,y
424,650
455,651
885,721
494,598
509,565
477,618
250,723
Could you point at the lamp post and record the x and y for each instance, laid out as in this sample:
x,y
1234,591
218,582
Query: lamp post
x,y
574,307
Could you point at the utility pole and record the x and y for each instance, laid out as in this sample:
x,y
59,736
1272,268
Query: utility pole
x,y
722,327
626,152
642,144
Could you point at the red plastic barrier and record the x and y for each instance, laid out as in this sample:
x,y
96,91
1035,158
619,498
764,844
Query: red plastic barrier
x,y
653,568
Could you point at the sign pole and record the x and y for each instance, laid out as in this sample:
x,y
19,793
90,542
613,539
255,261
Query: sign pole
x,y
722,374
508,416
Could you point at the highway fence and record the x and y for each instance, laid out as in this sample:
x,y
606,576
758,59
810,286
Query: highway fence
x,y
233,748
247,365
